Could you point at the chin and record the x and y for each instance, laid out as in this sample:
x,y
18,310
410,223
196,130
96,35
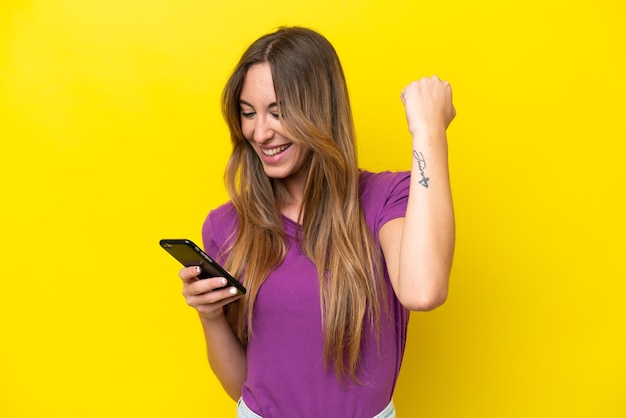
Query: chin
x,y
275,176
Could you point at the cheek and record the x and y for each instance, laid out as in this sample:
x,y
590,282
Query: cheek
x,y
302,156
246,129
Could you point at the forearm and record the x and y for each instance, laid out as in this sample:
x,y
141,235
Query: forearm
x,y
427,244
226,355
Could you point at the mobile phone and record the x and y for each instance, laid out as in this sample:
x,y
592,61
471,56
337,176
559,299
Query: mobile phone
x,y
189,254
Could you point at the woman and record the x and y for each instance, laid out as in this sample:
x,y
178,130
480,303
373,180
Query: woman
x,y
333,257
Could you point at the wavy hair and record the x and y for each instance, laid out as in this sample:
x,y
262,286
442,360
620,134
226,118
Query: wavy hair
x,y
314,109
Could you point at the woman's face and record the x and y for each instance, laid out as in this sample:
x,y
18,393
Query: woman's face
x,y
261,126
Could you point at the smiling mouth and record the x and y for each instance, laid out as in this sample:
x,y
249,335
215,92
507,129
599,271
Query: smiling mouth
x,y
273,151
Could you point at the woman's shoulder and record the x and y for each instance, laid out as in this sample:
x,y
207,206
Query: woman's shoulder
x,y
384,196
221,221
223,212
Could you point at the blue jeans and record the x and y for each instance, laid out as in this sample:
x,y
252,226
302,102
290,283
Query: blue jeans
x,y
244,412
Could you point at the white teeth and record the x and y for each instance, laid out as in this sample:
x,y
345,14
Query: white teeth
x,y
274,151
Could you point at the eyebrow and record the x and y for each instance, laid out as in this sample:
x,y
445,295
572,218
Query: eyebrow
x,y
243,102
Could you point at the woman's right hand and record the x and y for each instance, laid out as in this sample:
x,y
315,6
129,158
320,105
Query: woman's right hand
x,y
226,354
202,295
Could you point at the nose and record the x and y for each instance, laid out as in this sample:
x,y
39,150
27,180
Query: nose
x,y
262,129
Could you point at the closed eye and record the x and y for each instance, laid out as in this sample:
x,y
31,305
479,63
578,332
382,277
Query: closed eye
x,y
248,115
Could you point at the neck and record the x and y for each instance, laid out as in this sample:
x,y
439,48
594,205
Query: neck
x,y
293,196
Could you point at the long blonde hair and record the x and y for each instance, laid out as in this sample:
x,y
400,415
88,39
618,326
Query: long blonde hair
x,y
315,112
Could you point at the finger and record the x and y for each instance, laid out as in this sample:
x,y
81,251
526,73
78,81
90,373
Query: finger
x,y
215,298
189,274
211,311
199,287
228,300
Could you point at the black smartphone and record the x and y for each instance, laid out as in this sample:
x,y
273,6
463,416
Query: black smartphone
x,y
189,254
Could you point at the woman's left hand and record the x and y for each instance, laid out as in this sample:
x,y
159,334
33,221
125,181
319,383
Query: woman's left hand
x,y
428,105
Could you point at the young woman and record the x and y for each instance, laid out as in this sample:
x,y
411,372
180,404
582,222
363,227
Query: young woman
x,y
333,257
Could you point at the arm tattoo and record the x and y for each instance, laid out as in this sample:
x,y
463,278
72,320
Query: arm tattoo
x,y
421,164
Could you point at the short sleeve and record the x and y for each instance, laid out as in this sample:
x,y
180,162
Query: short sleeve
x,y
384,196
397,197
218,232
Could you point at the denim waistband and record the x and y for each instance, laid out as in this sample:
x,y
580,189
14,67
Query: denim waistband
x,y
388,412
244,412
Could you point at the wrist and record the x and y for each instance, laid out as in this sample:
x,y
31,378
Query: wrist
x,y
213,318
421,132
425,125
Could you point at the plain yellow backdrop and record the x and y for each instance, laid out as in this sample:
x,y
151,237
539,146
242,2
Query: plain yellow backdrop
x,y
112,138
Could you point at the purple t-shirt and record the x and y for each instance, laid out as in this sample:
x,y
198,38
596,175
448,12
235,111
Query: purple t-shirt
x,y
285,354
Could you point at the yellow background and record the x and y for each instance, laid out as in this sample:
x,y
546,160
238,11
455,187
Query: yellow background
x,y
111,138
